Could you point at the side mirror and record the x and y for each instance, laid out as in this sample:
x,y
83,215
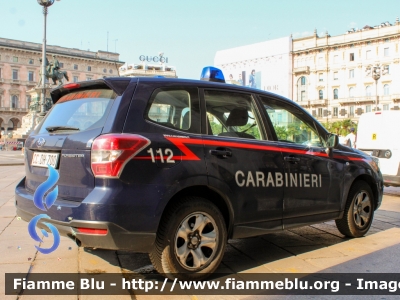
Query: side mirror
x,y
332,141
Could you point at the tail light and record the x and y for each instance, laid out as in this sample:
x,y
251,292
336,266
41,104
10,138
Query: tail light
x,y
70,86
111,152
92,231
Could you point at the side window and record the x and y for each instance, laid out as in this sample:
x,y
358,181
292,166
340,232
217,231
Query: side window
x,y
291,124
231,114
216,126
175,108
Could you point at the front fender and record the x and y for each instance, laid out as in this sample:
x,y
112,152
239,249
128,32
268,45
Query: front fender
x,y
354,172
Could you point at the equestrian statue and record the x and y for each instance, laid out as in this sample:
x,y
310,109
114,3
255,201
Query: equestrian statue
x,y
53,71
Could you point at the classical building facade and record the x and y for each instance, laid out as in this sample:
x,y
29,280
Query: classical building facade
x,y
331,76
19,72
149,66
147,70
341,77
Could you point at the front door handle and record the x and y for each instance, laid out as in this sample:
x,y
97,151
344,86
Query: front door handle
x,y
291,159
221,153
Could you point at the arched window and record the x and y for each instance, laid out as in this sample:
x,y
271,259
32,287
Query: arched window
x,y
14,101
321,94
302,89
10,125
368,91
335,94
351,92
386,90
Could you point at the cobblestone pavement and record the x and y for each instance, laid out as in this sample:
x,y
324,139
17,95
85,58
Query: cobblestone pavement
x,y
307,249
11,158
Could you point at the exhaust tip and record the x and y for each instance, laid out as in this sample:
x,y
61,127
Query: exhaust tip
x,y
78,242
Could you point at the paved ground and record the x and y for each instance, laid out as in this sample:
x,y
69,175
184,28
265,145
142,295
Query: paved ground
x,y
11,158
304,250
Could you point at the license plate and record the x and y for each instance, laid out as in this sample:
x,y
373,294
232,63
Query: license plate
x,y
42,159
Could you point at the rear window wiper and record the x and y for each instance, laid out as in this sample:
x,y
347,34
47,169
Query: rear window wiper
x,y
55,128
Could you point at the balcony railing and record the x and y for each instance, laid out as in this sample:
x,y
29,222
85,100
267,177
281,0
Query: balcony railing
x,y
303,103
370,99
17,109
141,72
16,81
299,70
318,102
395,97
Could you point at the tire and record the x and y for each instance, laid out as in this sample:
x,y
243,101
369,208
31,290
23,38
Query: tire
x,y
359,211
190,241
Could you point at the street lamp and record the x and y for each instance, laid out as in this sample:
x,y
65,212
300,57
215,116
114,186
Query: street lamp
x,y
376,74
45,4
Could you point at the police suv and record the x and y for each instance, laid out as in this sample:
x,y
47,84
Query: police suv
x,y
175,168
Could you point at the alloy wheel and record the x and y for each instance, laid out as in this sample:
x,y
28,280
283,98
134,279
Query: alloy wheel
x,y
196,240
362,209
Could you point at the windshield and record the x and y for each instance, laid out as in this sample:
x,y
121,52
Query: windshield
x,y
79,111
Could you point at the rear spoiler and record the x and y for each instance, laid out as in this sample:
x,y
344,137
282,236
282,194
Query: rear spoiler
x,y
117,84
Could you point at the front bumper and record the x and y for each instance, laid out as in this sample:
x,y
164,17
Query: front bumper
x,y
117,237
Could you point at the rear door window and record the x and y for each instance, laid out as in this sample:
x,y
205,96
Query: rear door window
x,y
175,108
232,114
79,111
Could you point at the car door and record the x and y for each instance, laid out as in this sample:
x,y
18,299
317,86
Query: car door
x,y
168,115
313,180
241,162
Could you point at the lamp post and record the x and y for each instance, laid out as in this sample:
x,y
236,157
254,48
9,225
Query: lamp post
x,y
376,74
45,4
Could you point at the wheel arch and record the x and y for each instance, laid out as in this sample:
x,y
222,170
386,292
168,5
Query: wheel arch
x,y
216,198
370,181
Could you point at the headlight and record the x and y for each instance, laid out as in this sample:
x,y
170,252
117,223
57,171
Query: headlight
x,y
375,163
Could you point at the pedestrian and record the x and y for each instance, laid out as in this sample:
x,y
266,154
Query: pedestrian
x,y
240,80
350,139
252,79
231,79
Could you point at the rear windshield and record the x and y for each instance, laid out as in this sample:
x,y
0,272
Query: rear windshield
x,y
79,111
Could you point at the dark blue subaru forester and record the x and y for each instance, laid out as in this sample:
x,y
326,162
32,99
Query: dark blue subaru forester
x,y
175,168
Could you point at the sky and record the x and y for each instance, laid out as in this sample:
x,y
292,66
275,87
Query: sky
x,y
189,33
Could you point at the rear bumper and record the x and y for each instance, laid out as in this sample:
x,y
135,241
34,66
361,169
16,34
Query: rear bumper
x,y
117,237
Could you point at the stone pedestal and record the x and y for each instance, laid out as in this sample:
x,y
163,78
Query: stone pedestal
x,y
33,117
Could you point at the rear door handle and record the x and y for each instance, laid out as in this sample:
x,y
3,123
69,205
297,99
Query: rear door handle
x,y
291,159
221,153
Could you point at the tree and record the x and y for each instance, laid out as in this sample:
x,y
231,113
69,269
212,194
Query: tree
x,y
340,127
281,132
293,130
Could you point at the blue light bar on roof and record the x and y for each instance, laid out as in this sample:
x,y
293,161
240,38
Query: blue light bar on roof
x,y
212,74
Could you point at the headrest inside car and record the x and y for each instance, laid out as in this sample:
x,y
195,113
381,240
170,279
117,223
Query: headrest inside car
x,y
238,117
